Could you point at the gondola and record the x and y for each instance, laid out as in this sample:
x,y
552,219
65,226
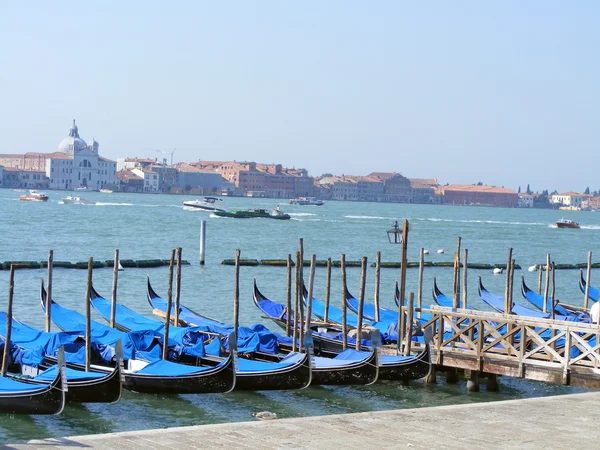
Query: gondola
x,y
150,376
593,292
358,368
328,340
385,315
497,303
291,372
387,329
24,397
83,387
537,300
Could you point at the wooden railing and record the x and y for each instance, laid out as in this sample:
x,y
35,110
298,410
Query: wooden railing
x,y
541,349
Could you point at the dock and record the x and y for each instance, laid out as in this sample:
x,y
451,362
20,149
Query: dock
x,y
566,421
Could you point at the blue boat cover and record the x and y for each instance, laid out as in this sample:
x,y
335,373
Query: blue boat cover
x,y
35,344
72,375
538,301
248,366
388,330
8,385
170,369
385,315
256,338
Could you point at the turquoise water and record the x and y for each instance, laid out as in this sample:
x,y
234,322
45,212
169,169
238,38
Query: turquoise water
x,y
147,226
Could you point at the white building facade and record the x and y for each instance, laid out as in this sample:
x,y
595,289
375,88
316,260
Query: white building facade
x,y
151,181
78,164
525,201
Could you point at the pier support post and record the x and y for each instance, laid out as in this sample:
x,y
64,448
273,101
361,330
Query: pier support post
x,y
202,240
492,383
431,378
473,381
451,376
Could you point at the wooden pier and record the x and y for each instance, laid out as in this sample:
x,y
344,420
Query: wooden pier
x,y
484,343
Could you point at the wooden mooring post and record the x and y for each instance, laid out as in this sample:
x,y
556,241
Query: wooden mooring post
x,y
420,281
113,298
457,274
361,301
301,290
547,285
507,305
402,274
327,291
464,292
49,292
9,309
296,303
288,297
344,320
177,288
377,279
311,283
588,281
165,349
88,315
202,241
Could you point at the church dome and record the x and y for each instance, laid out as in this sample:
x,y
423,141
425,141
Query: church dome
x,y
72,142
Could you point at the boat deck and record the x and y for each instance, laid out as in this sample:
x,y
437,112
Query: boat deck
x,y
525,424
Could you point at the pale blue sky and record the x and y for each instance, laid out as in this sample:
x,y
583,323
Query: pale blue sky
x,y
504,92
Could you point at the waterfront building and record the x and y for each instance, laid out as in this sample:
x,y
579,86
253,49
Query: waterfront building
x,y
271,180
525,201
572,199
150,178
189,178
422,190
466,194
396,186
345,188
130,181
132,163
21,178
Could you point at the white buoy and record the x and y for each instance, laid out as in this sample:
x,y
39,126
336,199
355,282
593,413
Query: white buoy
x,y
440,251
497,270
426,252
533,268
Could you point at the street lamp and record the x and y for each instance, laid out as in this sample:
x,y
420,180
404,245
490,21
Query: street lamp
x,y
395,234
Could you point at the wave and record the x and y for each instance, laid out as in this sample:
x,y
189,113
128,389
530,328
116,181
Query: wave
x,y
367,217
492,222
113,204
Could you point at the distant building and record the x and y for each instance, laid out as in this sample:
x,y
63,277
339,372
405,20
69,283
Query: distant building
x,y
422,190
78,163
132,163
525,201
190,177
1,175
19,178
466,194
151,182
396,187
568,199
130,181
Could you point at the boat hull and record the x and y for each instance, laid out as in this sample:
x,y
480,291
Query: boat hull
x,y
49,399
297,376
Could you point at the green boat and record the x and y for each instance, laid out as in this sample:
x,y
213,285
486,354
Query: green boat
x,y
252,213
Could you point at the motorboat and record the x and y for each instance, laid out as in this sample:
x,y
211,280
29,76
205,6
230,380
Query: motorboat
x,y
106,191
70,200
206,204
34,196
567,223
310,201
275,213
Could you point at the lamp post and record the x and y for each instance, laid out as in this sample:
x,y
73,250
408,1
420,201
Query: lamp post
x,y
395,234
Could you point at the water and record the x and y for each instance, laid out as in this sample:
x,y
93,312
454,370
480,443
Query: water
x,y
146,226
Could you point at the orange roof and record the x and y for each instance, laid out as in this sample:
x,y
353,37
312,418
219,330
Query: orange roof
x,y
185,167
474,188
570,194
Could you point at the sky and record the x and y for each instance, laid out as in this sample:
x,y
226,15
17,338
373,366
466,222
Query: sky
x,y
502,92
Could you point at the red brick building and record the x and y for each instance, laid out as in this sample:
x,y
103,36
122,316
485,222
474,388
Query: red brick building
x,y
464,194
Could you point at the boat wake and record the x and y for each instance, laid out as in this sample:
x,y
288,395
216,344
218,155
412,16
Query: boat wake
x,y
113,204
491,222
301,214
368,217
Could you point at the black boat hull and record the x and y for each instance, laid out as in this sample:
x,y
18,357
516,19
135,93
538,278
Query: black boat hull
x,y
297,376
49,399
362,373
